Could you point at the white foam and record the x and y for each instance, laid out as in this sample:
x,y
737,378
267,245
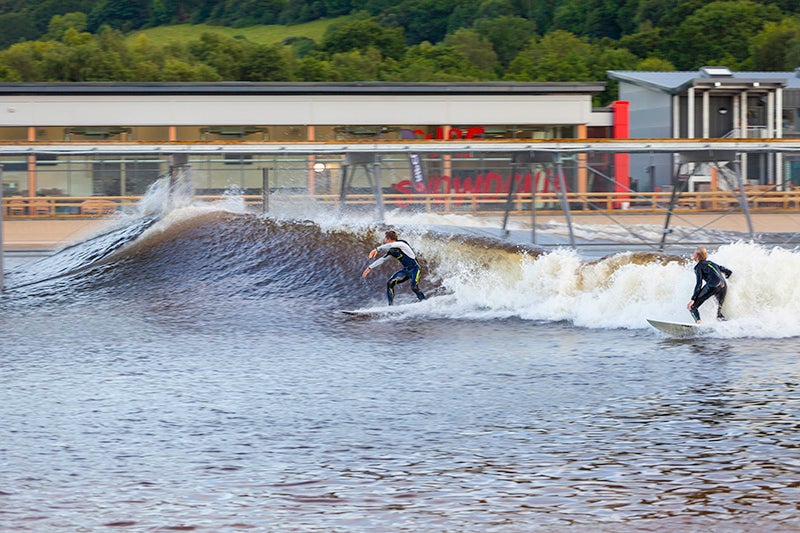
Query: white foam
x,y
617,292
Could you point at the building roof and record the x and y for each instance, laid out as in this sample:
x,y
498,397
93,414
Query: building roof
x,y
678,82
301,89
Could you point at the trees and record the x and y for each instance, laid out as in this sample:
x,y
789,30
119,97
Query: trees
x,y
557,56
421,20
508,35
476,48
594,18
719,33
362,34
410,40
776,46
120,14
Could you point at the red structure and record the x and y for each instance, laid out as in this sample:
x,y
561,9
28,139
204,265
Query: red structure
x,y
621,130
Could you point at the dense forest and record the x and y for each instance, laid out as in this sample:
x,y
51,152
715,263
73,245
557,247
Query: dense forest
x,y
395,40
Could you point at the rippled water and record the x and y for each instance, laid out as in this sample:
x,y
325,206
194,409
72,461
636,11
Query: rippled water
x,y
204,379
148,415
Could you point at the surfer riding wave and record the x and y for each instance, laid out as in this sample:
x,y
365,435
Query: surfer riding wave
x,y
400,250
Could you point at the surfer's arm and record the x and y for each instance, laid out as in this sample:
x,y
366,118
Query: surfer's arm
x,y
377,263
726,271
699,274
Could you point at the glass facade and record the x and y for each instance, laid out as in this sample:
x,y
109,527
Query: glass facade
x,y
130,175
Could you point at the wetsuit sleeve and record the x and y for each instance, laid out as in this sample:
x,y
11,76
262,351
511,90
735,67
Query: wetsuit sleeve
x,y
698,272
379,261
382,248
726,271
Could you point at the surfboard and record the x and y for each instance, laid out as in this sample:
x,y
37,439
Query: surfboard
x,y
356,312
383,309
373,311
676,329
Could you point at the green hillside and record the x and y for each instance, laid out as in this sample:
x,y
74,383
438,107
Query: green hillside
x,y
261,34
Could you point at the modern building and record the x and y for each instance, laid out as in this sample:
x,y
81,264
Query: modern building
x,y
713,102
87,115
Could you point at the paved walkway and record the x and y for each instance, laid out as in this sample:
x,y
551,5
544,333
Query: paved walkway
x,y
48,234
24,235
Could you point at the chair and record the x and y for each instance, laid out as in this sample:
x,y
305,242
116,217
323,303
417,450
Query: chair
x,y
41,208
98,207
17,207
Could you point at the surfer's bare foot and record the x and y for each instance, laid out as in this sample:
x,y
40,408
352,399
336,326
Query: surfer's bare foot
x,y
699,322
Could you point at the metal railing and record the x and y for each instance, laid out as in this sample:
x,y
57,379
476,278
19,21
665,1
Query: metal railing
x,y
759,199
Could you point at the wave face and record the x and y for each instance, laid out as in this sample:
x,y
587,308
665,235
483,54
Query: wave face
x,y
207,255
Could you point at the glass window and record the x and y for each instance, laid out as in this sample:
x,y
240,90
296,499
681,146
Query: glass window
x,y
290,133
149,133
791,117
15,176
325,133
188,133
14,134
235,133
355,133
97,133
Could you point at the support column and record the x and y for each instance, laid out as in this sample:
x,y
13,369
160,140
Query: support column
x,y
31,165
744,134
745,126
771,178
779,135
312,185
690,113
706,101
676,117
583,175
562,195
447,166
676,134
622,177
376,166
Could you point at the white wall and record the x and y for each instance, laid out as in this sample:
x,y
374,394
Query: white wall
x,y
133,110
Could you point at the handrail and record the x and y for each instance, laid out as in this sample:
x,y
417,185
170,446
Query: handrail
x,y
759,198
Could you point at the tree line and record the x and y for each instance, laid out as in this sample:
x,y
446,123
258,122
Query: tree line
x,y
391,40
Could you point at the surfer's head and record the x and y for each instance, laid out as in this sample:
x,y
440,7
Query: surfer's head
x,y
701,254
391,236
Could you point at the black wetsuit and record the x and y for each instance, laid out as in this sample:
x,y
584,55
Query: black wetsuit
x,y
714,275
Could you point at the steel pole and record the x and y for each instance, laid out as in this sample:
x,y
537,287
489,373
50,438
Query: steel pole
x,y
264,190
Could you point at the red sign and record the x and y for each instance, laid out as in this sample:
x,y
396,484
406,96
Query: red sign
x,y
480,183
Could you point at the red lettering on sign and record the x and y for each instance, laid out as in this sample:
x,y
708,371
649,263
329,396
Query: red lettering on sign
x,y
491,182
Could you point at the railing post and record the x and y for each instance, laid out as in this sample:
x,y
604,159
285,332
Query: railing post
x,y
264,190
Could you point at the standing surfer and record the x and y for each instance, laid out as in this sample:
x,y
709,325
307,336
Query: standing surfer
x,y
716,285
400,250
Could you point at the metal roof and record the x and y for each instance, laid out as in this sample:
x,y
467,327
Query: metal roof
x,y
677,82
715,148
301,89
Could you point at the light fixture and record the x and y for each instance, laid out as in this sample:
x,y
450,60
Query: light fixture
x,y
722,110
319,167
756,84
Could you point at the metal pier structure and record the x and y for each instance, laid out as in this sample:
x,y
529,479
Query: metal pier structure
x,y
364,156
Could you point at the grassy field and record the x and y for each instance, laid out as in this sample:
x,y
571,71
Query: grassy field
x,y
272,34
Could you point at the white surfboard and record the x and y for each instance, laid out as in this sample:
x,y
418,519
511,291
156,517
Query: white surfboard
x,y
676,329
386,309
375,311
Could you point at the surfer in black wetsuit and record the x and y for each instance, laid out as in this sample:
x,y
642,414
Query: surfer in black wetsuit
x,y
400,250
714,275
